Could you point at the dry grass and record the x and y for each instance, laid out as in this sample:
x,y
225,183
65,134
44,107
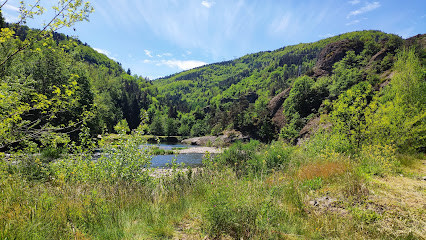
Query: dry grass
x,y
404,200
323,170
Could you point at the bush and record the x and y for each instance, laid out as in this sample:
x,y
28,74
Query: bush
x,y
277,155
121,160
378,159
323,141
242,158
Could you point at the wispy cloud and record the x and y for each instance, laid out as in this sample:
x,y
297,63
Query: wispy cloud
x,y
367,8
164,55
183,65
148,53
10,13
281,24
9,18
406,33
173,63
207,4
105,52
11,8
353,22
354,2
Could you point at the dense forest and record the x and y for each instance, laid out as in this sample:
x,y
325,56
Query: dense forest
x,y
270,94
335,140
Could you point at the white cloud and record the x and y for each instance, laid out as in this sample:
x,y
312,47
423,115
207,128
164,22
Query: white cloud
x,y
354,2
148,53
164,55
406,33
10,19
353,22
367,8
183,65
105,52
11,8
207,4
281,24
10,13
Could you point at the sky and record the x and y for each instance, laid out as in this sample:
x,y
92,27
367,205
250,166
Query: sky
x,y
156,38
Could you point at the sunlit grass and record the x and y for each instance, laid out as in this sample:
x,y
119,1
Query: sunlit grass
x,y
301,197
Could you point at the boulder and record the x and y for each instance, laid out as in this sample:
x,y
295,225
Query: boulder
x,y
276,109
333,53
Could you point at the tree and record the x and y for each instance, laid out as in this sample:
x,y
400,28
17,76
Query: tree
x,y
66,14
2,22
398,117
29,112
348,115
122,127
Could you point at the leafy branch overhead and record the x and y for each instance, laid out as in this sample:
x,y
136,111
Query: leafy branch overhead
x,y
66,14
29,111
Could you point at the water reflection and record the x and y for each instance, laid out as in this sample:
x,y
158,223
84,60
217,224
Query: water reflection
x,y
189,159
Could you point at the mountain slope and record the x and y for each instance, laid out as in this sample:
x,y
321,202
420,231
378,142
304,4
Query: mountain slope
x,y
235,94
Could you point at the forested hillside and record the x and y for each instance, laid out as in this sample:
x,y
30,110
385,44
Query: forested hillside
x,y
301,80
61,85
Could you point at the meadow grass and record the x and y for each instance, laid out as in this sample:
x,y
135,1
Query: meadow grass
x,y
251,191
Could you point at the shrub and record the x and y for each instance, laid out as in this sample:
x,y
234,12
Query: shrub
x,y
325,141
378,159
121,160
242,158
277,155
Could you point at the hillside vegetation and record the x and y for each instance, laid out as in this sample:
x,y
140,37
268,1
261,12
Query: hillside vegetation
x,y
303,79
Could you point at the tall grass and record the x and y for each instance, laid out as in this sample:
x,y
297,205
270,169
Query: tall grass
x,y
251,191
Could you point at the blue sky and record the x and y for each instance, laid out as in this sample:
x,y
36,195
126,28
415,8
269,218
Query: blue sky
x,y
155,38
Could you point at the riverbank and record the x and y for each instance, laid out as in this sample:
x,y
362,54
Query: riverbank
x,y
212,150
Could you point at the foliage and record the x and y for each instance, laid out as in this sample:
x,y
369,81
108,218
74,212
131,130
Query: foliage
x,y
242,158
122,127
348,115
225,91
121,160
378,160
303,98
346,73
398,116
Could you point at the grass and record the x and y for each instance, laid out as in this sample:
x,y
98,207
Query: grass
x,y
252,191
159,151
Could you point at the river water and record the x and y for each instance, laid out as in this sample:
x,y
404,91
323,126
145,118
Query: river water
x,y
189,159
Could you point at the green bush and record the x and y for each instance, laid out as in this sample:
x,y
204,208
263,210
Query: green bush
x,y
325,140
277,155
242,157
121,160
378,159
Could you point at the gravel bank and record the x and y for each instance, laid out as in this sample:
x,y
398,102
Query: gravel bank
x,y
201,150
